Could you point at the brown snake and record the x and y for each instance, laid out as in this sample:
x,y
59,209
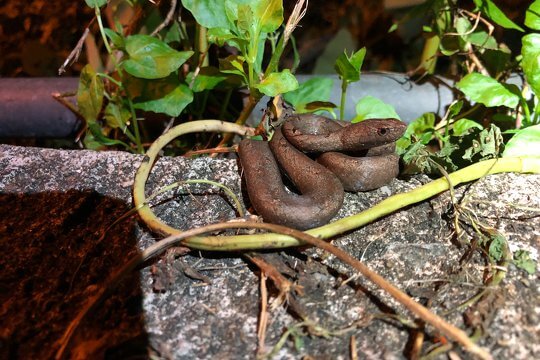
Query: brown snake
x,y
351,157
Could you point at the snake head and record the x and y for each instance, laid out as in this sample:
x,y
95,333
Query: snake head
x,y
371,133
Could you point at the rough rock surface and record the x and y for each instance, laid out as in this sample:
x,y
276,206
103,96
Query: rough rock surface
x,y
55,205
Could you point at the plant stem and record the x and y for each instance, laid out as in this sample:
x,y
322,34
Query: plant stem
x,y
101,30
201,45
133,138
344,85
157,248
140,148
253,100
276,55
536,112
447,122
526,111
110,78
139,197
428,60
225,103
251,83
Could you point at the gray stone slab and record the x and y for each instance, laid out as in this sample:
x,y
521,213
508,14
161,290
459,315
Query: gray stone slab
x,y
55,205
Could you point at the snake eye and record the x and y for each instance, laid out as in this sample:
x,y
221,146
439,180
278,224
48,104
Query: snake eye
x,y
382,131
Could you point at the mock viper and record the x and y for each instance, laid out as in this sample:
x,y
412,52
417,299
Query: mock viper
x,y
355,157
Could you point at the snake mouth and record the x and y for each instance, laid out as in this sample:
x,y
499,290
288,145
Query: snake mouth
x,y
320,183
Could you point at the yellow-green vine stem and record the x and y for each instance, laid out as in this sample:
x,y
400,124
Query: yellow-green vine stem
x,y
139,197
385,207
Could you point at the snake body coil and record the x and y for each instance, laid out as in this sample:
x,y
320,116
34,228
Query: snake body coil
x,y
355,157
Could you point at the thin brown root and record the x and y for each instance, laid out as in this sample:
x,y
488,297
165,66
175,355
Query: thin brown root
x,y
263,316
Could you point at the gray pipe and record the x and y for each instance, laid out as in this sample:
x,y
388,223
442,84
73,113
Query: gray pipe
x,y
27,108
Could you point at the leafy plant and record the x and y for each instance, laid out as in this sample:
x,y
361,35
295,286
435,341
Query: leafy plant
x,y
167,73
489,97
173,74
522,259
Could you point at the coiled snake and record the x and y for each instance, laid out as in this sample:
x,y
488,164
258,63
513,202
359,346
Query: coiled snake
x,y
351,157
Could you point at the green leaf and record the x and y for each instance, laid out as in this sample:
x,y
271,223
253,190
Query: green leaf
x,y
463,127
444,157
117,116
96,136
116,38
168,95
451,45
233,64
298,341
496,61
402,144
522,259
278,83
393,28
454,109
348,68
171,103
488,91
357,59
491,10
370,107
260,53
222,36
504,118
525,143
173,34
463,25
417,158
95,3
207,79
423,125
319,107
478,38
482,40
345,69
269,13
209,13
151,58
312,90
487,145
422,128
530,50
532,16
497,246
469,34
247,22
90,94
